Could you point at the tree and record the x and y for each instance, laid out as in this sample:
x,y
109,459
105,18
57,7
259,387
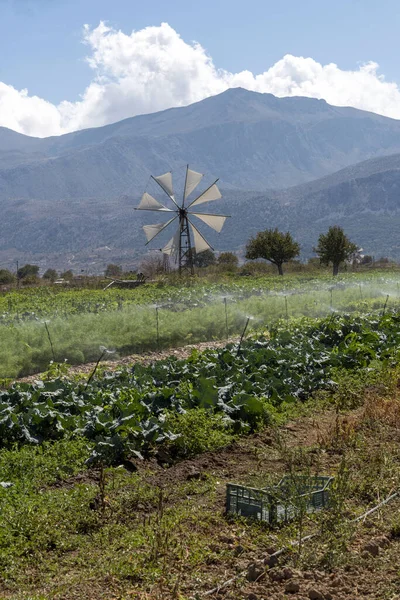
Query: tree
x,y
67,275
28,271
6,276
334,247
204,259
50,274
273,245
113,271
228,260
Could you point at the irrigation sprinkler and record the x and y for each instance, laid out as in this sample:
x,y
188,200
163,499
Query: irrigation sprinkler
x,y
331,297
158,330
226,317
104,351
287,311
385,305
51,343
242,336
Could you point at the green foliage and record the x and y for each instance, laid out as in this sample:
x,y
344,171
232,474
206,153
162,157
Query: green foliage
x,y
28,271
6,276
273,245
198,430
334,247
50,274
124,412
113,271
228,260
204,259
68,275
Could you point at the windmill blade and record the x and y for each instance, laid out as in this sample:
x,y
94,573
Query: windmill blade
x,y
216,222
192,181
151,231
172,248
200,242
165,183
211,193
149,203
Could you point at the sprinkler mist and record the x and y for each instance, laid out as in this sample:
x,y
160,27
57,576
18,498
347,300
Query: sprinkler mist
x,y
286,311
50,340
158,330
242,336
226,317
385,305
103,351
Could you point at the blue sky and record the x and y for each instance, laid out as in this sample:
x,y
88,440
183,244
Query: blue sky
x,y
41,46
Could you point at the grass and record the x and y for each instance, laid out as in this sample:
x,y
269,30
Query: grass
x,y
162,533
76,338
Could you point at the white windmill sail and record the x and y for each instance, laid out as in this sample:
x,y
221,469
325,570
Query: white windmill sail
x,y
192,181
149,203
151,231
172,248
216,222
200,243
211,193
165,181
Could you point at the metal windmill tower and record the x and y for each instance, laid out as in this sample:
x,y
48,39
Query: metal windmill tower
x,y
180,245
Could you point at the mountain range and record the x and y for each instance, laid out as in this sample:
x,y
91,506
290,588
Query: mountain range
x,y
295,163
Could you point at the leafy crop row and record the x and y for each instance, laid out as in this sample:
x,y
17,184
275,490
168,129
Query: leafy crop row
x,y
126,411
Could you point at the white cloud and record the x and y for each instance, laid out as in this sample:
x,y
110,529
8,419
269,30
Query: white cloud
x,y
154,68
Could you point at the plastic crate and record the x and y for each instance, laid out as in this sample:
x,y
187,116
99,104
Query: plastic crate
x,y
279,503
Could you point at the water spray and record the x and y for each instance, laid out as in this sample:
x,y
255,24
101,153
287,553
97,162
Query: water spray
x,y
385,305
287,311
158,330
226,317
51,343
104,351
242,336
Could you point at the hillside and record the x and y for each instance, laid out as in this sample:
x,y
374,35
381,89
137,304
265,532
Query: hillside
x,y
249,140
64,199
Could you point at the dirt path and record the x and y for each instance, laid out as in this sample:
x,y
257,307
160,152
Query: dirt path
x,y
144,358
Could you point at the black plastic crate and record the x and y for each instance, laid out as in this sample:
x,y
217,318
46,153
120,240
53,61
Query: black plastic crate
x,y
279,503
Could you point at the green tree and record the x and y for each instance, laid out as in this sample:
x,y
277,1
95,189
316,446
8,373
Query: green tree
x,y
113,271
67,275
50,274
334,247
6,276
228,260
204,259
28,271
273,245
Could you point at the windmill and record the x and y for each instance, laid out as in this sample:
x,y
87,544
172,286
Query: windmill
x,y
180,246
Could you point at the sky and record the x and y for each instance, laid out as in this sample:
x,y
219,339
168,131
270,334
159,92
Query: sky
x,y
71,64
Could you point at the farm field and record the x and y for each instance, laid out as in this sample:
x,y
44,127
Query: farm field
x,y
40,325
113,483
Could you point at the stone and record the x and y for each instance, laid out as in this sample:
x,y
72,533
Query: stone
x,y
238,550
288,573
315,594
292,587
382,541
255,570
252,596
276,575
371,547
271,561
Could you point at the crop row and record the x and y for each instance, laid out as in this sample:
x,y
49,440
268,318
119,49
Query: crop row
x,y
126,412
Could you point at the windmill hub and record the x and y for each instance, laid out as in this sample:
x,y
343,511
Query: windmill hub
x,y
180,246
